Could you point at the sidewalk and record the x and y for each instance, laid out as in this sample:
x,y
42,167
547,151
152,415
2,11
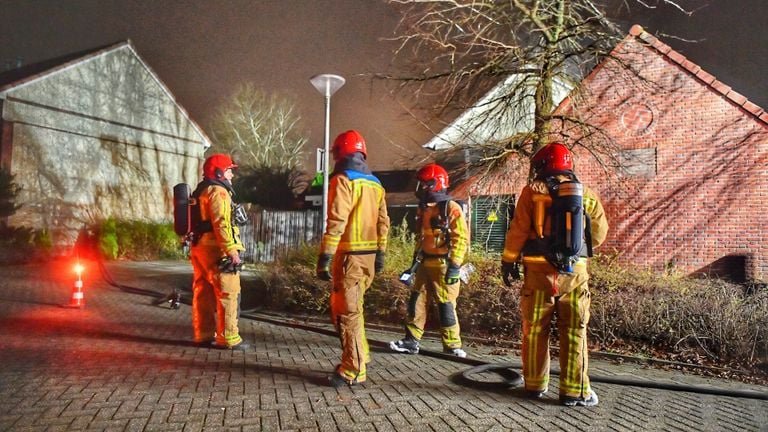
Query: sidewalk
x,y
122,364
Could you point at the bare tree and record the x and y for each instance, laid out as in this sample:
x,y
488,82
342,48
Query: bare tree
x,y
261,132
533,51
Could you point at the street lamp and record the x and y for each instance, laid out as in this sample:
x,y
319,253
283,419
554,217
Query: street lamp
x,y
326,84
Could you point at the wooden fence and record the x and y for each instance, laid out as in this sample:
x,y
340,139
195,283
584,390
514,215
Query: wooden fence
x,y
270,234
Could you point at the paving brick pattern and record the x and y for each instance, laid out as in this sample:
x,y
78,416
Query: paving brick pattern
x,y
121,364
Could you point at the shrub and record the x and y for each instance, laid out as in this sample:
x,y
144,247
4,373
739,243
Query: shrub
x,y
18,244
22,244
694,320
107,239
694,317
43,240
137,240
289,285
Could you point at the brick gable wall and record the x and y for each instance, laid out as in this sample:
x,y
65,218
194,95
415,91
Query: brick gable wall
x,y
700,202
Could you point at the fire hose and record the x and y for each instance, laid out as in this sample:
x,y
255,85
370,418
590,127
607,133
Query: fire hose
x,y
510,378
173,298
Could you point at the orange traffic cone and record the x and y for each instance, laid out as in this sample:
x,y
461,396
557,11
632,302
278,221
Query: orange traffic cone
x,y
77,300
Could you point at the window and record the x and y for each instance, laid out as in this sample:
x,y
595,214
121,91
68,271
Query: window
x,y
638,162
490,219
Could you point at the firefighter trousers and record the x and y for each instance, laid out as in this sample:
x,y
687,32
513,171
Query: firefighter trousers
x,y
351,275
215,298
545,293
430,284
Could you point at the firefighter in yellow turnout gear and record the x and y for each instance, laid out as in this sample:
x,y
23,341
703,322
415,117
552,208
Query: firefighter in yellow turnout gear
x,y
354,241
553,284
441,247
216,288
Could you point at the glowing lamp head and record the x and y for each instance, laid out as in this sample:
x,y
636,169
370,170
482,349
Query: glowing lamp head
x,y
79,269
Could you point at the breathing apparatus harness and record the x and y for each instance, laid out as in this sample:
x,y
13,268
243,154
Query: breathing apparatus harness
x,y
571,226
441,222
187,218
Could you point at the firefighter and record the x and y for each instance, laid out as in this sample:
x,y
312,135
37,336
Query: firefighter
x,y
442,241
553,282
352,250
215,255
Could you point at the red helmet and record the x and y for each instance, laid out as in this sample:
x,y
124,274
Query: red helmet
x,y
347,143
552,158
215,165
433,177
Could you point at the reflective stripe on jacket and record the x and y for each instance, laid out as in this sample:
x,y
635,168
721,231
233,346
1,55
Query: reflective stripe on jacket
x,y
357,214
432,239
523,227
216,206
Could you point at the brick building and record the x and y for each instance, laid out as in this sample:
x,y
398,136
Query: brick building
x,y
686,182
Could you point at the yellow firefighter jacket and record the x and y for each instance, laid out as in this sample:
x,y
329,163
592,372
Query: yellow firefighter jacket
x,y
215,204
523,226
432,238
357,214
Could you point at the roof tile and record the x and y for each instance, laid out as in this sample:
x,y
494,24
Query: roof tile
x,y
719,86
676,57
705,76
691,66
661,46
753,108
647,37
736,97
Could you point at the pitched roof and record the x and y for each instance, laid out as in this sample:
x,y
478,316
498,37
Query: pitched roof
x,y
26,75
18,77
472,125
710,80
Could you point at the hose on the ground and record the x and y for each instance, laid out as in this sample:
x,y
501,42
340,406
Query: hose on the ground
x,y
510,378
173,298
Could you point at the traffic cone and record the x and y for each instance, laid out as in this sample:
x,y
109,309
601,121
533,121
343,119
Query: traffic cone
x,y
78,299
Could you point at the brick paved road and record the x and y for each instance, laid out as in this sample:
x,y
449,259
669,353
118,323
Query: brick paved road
x,y
122,364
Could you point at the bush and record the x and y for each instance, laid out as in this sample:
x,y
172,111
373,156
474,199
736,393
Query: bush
x,y
18,244
692,317
693,320
137,240
289,285
107,239
43,240
22,244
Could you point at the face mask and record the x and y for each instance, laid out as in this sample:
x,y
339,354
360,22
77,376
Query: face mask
x,y
423,188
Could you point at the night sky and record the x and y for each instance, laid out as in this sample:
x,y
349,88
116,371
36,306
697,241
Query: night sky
x,y
202,49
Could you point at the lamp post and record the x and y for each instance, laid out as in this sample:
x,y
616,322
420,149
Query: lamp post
x,y
327,85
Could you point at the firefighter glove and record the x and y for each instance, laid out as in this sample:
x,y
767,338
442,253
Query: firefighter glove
x,y
378,265
227,265
406,278
323,269
510,271
452,274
